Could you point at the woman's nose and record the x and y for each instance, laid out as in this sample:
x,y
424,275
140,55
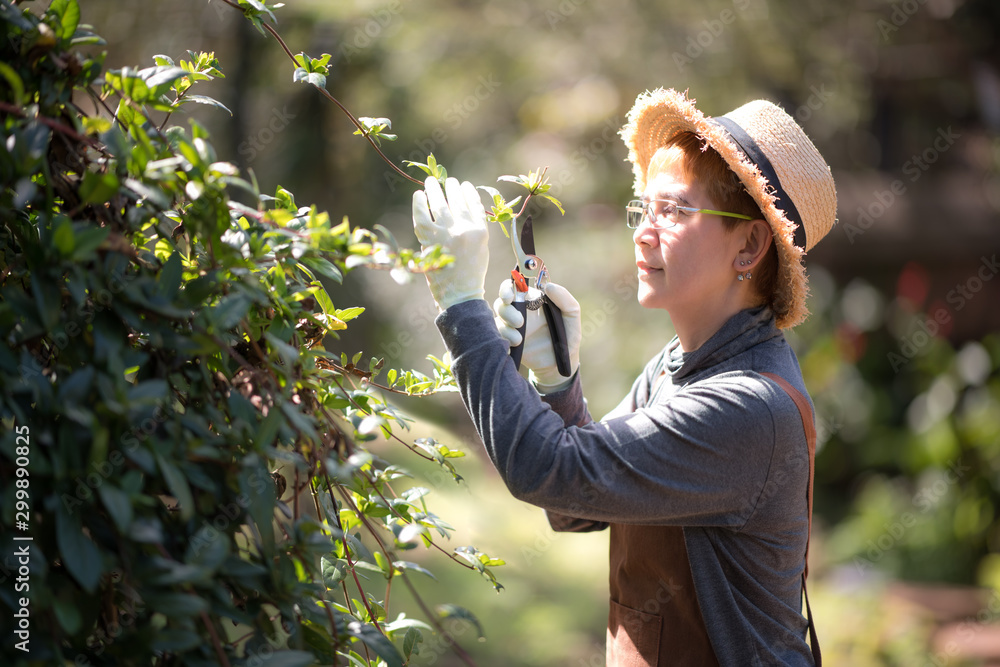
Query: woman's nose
x,y
645,233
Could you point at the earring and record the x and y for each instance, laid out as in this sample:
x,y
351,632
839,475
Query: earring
x,y
749,275
739,276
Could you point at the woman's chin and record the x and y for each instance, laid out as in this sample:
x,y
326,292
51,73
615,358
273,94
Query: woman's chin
x,y
649,298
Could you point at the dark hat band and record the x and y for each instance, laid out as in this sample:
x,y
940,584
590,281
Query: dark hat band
x,y
753,152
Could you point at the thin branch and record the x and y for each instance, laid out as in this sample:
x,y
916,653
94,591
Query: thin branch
x,y
366,376
459,651
357,123
524,204
392,435
54,124
393,510
216,642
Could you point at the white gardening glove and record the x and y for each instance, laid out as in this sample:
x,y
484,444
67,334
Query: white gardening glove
x,y
459,224
538,354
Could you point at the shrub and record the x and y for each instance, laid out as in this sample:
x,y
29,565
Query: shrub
x,y
184,471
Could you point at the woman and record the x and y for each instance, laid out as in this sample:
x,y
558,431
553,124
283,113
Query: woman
x,y
704,471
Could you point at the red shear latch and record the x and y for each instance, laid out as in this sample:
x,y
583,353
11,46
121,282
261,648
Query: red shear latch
x,y
519,282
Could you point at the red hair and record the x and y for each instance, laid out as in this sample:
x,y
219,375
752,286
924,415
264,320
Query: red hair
x,y
726,192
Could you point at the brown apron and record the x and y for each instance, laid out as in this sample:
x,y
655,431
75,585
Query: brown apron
x,y
654,617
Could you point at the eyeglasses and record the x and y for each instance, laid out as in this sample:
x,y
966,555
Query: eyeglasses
x,y
636,211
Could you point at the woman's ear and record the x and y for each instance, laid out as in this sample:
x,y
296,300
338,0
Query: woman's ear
x,y
757,238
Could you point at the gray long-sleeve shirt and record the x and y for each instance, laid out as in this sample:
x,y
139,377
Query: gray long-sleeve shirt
x,y
712,446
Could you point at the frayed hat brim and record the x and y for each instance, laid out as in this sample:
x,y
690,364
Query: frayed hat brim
x,y
660,115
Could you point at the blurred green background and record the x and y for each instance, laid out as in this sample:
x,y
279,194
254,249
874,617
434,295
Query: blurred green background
x,y
900,354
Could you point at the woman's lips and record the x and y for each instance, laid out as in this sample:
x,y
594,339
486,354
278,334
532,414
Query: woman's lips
x,y
645,269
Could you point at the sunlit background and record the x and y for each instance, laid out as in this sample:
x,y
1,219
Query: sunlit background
x,y
900,354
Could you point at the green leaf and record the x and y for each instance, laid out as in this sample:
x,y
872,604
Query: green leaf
x,y
158,79
80,556
176,604
125,114
555,201
316,79
178,486
208,548
68,615
446,611
377,642
85,37
87,240
14,81
431,168
169,281
299,420
368,567
256,483
407,565
228,313
289,355
319,642
348,314
48,301
260,7
70,19
118,504
67,13
334,570
98,188
176,641
411,642
62,237
286,658
148,391
492,192
324,267
383,564
265,434
203,99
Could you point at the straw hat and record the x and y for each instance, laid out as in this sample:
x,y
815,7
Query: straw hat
x,y
771,155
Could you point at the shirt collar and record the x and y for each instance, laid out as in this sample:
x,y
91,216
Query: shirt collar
x,y
742,331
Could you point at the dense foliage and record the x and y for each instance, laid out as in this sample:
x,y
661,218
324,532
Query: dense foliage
x,y
184,469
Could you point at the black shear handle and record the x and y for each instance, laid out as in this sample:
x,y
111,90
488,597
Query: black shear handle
x,y
557,332
516,352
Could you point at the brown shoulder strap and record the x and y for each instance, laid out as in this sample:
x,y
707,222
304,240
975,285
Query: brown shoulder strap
x,y
805,412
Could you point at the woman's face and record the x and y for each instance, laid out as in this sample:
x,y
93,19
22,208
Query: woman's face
x,y
685,266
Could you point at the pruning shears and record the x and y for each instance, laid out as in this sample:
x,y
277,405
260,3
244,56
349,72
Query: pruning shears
x,y
530,267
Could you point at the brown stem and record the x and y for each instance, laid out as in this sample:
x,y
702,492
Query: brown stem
x,y
392,435
295,498
347,556
223,659
170,113
524,204
333,99
216,643
389,554
326,604
434,544
54,124
366,376
459,651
